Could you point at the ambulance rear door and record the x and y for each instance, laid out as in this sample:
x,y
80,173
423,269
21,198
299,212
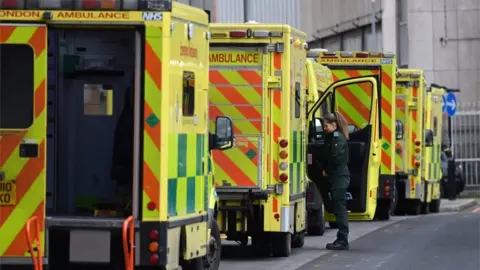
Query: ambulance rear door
x,y
23,121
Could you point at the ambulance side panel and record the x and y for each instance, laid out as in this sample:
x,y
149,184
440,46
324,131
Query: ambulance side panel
x,y
22,137
176,145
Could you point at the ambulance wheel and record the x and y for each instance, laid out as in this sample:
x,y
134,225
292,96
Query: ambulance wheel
x,y
414,207
212,260
298,240
281,244
316,223
425,208
332,225
435,206
261,245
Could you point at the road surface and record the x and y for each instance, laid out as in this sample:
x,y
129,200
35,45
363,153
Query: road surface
x,y
442,241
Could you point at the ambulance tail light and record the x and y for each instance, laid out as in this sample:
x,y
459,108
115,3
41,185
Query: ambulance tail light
x,y
417,164
417,143
153,259
362,54
415,75
329,55
219,35
276,34
10,4
346,54
283,154
388,54
283,177
156,6
375,54
283,166
261,34
283,143
238,34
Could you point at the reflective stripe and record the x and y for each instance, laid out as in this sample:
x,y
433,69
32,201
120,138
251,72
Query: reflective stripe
x,y
238,93
29,173
152,125
353,111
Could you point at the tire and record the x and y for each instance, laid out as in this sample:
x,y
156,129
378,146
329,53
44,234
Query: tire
x,y
332,225
414,208
435,206
425,208
383,210
298,240
316,223
281,244
212,260
261,245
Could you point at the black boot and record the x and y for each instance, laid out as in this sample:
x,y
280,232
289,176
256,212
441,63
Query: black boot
x,y
338,245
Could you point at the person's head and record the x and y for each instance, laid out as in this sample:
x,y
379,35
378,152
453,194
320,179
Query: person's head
x,y
335,121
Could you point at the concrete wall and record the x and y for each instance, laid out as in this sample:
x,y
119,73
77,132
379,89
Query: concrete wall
x,y
444,40
263,11
322,18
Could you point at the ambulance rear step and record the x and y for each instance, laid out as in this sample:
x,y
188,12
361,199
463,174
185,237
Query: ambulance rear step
x,y
241,194
85,222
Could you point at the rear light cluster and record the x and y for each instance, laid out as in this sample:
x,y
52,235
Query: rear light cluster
x,y
283,165
386,188
417,151
249,33
153,247
346,54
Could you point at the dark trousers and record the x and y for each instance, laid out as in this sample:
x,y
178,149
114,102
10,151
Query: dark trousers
x,y
340,212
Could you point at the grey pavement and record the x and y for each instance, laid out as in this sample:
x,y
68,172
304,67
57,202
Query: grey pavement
x,y
457,205
442,241
235,257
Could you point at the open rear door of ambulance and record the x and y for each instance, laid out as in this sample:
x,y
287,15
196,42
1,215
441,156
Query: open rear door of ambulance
x,y
357,100
23,121
236,90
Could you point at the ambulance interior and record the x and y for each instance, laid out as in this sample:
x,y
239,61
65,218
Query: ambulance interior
x,y
90,129
359,143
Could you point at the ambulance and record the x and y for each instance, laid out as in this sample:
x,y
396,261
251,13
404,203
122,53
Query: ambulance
x,y
257,77
104,140
417,154
363,92
318,79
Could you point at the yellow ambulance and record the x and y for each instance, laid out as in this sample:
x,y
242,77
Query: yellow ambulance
x,y
104,143
417,160
257,77
363,93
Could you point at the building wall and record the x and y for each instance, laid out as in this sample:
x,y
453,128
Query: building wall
x,y
262,11
444,40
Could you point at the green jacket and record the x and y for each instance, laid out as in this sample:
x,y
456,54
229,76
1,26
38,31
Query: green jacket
x,y
335,161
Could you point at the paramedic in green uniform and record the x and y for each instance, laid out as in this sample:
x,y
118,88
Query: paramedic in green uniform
x,y
335,169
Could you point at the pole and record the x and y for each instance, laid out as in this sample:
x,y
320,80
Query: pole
x,y
451,186
374,24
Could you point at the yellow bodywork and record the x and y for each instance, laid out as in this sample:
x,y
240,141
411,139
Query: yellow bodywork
x,y
177,179
260,83
419,108
432,172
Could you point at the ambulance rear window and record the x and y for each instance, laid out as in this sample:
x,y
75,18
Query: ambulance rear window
x,y
16,86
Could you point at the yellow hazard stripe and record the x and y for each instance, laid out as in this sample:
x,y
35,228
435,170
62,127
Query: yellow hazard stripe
x,y
28,173
153,208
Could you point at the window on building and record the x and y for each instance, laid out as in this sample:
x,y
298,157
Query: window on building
x,y
16,86
188,101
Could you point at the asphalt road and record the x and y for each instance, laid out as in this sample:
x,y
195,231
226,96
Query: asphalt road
x,y
434,241
443,241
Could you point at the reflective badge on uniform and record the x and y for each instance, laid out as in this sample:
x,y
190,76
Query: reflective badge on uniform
x,y
348,196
